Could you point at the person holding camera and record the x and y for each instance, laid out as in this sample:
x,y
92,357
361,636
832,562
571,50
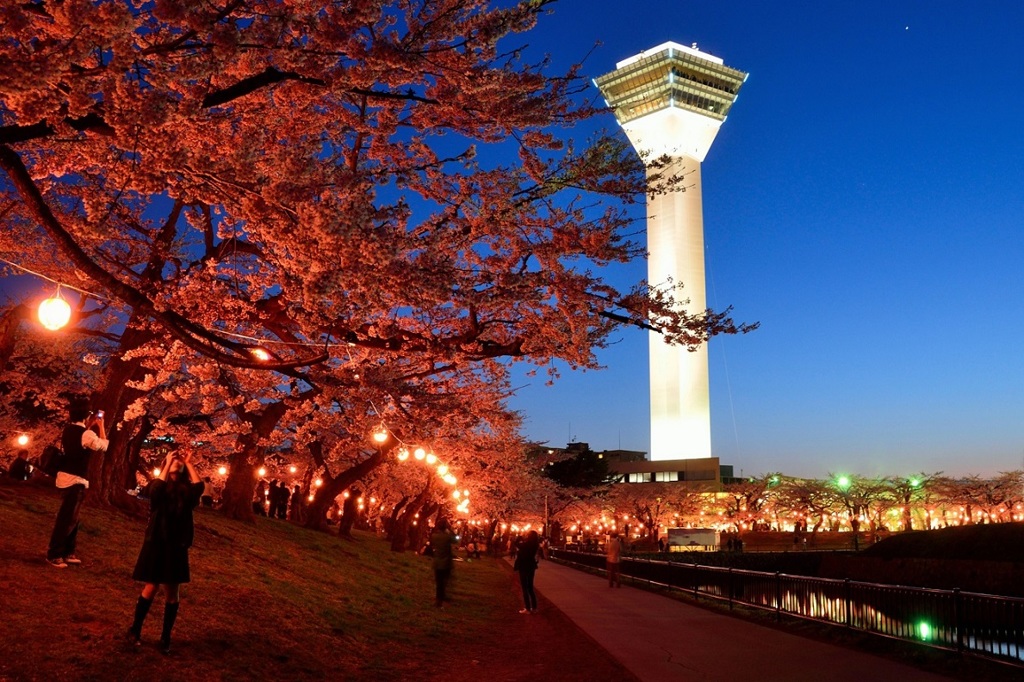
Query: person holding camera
x,y
163,560
83,436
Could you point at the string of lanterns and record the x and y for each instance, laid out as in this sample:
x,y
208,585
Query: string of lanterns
x,y
420,454
380,436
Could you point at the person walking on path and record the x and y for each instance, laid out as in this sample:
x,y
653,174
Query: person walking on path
x,y
163,559
613,556
526,565
442,543
79,441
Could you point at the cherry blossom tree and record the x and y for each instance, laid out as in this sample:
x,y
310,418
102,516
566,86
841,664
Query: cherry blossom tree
x,y
908,492
811,500
301,190
749,500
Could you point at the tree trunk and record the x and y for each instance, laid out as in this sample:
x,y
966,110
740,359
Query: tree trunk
x,y
400,535
134,453
418,531
109,472
238,490
389,525
349,514
9,322
335,485
236,500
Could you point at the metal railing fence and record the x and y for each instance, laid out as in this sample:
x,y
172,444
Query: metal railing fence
x,y
978,624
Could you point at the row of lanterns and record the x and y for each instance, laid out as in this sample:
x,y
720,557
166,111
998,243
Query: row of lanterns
x,y
54,313
430,459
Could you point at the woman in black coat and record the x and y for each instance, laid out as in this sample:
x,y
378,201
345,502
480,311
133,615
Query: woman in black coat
x,y
164,556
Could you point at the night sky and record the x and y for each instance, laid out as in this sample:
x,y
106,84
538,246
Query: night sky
x,y
864,203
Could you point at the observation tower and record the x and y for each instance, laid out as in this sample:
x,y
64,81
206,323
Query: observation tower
x,y
671,100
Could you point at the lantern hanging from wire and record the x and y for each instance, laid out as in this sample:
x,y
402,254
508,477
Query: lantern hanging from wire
x,y
54,313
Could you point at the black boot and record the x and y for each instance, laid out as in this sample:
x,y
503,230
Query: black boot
x,y
141,609
170,613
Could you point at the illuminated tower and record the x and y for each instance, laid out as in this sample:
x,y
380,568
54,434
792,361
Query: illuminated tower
x,y
671,101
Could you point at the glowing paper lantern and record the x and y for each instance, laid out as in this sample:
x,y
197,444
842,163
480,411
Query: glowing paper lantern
x,y
262,472
222,471
260,354
23,440
420,453
442,469
431,458
380,435
450,479
403,455
54,312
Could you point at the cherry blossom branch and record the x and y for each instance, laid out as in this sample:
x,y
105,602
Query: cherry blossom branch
x,y
192,335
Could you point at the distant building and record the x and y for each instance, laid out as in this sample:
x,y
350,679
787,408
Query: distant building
x,y
632,466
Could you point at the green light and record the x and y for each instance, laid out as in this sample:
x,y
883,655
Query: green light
x,y
774,479
915,483
843,482
924,630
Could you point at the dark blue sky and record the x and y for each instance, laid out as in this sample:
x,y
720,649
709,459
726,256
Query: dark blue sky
x,y
864,202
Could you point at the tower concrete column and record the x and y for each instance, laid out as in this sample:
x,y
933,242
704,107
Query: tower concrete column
x,y
671,101
680,396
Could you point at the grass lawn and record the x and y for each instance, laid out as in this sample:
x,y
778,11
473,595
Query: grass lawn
x,y
270,601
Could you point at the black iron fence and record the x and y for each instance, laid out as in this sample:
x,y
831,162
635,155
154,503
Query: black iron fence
x,y
977,624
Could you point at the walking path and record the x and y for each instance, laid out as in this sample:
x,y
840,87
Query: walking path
x,y
660,639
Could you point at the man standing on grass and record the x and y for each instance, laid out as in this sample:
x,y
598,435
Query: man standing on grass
x,y
78,441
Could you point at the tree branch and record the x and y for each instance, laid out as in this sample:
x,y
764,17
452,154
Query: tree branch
x,y
268,76
192,335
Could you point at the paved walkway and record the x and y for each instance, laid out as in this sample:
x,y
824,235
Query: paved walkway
x,y
660,639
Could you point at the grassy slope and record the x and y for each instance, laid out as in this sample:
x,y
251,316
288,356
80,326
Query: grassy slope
x,y
270,601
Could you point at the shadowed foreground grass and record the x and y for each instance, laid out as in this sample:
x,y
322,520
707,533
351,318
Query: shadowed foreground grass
x,y
270,601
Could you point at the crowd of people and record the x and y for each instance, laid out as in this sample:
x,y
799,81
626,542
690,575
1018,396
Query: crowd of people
x,y
276,501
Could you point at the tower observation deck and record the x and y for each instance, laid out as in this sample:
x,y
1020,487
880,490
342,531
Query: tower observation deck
x,y
670,101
